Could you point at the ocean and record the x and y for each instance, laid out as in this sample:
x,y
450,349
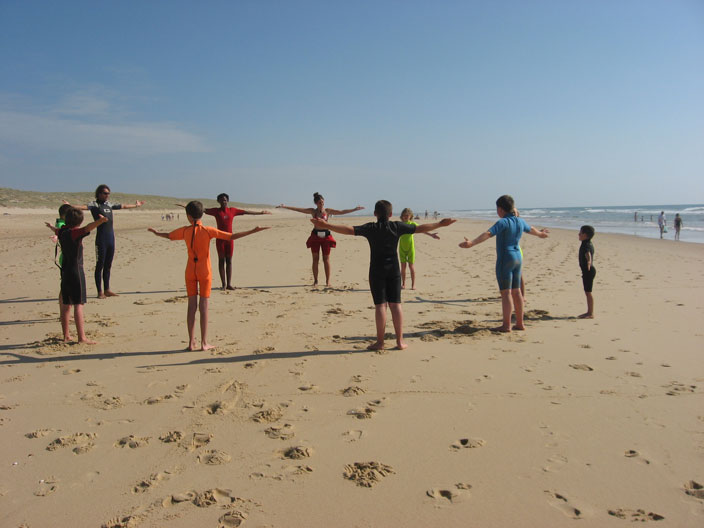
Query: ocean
x,y
612,219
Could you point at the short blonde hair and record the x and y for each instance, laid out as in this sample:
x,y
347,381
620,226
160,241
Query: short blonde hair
x,y
407,211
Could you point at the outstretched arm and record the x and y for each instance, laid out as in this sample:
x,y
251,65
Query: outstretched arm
x,y
81,207
433,235
101,220
241,234
344,211
543,233
54,229
138,203
337,228
157,233
256,212
304,210
486,235
427,228
180,205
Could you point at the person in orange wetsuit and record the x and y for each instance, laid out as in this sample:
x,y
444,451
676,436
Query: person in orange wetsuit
x,y
199,276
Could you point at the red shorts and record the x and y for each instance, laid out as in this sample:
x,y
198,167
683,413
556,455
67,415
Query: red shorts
x,y
225,247
315,243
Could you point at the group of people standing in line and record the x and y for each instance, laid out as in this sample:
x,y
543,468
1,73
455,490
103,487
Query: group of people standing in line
x,y
387,241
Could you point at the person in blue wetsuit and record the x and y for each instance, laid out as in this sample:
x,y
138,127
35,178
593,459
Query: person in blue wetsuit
x,y
105,236
508,231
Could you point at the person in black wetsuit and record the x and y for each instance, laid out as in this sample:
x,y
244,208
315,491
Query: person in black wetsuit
x,y
73,280
105,237
384,268
586,264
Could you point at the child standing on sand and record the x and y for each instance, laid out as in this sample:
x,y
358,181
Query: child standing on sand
x,y
586,260
198,273
407,249
508,231
73,279
384,271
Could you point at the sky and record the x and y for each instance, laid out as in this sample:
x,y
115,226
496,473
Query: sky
x,y
433,105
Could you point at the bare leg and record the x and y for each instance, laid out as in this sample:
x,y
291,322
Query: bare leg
x,y
191,321
518,306
228,265
412,267
523,289
380,318
221,269
403,275
590,307
204,324
397,318
326,265
316,259
506,309
65,316
80,327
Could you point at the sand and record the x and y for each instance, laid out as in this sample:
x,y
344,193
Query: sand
x,y
291,422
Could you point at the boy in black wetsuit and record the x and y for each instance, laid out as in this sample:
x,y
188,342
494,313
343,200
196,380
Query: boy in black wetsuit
x,y
73,280
384,268
586,259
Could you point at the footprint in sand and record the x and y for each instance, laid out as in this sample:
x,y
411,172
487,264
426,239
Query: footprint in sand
x,y
284,432
171,436
308,388
219,407
150,482
132,442
39,433
561,502
232,519
214,458
632,453
46,487
468,443
362,414
353,435
676,388
635,515
296,452
82,441
581,366
268,415
367,474
459,494
199,440
694,489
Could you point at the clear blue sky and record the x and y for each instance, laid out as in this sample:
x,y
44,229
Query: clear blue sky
x,y
437,105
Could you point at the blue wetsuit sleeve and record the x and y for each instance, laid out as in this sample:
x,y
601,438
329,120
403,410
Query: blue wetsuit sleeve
x,y
526,227
497,227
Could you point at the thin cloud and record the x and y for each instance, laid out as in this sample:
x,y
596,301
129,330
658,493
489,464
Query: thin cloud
x,y
64,134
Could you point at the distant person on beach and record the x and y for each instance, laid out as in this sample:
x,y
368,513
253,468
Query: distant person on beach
x,y
105,237
224,216
73,279
407,249
384,272
678,225
198,273
586,264
508,231
320,238
662,223
635,216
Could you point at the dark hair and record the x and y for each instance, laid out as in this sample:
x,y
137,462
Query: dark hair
x,y
382,210
587,230
63,209
506,203
194,209
317,197
223,195
73,217
102,187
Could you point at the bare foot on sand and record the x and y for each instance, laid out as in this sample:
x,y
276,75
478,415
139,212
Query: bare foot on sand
x,y
500,329
376,346
68,339
229,288
101,295
86,341
206,346
401,345
109,293
516,327
586,316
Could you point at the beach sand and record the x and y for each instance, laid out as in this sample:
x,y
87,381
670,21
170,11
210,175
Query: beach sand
x,y
291,422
